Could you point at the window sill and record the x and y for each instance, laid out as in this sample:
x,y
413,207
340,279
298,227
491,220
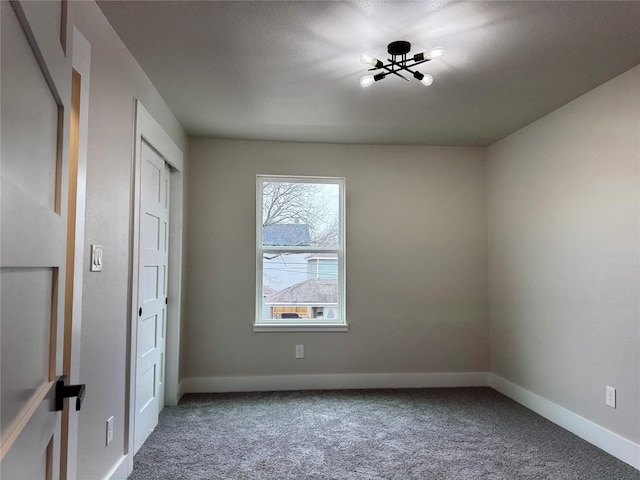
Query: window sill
x,y
318,327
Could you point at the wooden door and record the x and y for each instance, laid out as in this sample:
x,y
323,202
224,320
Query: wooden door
x,y
152,293
36,82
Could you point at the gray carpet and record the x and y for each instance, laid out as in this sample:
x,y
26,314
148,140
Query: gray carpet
x,y
457,433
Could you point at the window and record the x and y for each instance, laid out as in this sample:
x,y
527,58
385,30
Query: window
x,y
300,254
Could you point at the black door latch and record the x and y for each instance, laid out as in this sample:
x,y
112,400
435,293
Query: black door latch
x,y
65,391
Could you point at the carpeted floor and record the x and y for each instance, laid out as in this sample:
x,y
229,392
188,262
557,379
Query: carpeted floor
x,y
457,433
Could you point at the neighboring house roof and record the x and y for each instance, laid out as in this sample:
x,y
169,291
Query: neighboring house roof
x,y
311,291
286,235
267,290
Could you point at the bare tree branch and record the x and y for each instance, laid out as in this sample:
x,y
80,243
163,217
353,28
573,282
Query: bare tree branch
x,y
299,203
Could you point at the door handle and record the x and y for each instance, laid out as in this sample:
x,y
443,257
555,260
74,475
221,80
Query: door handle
x,y
66,391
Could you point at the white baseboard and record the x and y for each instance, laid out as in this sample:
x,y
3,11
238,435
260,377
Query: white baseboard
x,y
121,470
612,443
331,382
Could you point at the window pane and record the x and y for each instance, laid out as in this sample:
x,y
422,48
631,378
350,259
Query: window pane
x,y
300,214
300,286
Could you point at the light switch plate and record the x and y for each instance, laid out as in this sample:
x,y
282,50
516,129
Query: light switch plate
x,y
96,258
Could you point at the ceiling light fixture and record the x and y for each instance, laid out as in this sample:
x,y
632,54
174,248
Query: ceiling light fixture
x,y
398,62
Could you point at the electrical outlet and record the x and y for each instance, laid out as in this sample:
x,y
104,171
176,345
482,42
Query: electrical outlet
x,y
611,397
109,430
299,351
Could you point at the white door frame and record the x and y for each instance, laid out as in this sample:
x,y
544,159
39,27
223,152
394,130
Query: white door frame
x,y
149,130
81,63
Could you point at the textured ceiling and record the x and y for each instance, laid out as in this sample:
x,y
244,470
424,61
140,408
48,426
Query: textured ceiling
x,y
290,70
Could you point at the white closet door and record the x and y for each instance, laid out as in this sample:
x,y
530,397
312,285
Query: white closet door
x,y
152,293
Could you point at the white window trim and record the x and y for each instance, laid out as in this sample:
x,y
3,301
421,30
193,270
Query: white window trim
x,y
319,325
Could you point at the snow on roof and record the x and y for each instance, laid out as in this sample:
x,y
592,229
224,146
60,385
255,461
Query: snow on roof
x,y
286,235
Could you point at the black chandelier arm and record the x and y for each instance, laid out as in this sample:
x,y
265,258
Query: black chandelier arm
x,y
418,62
395,72
401,65
408,69
405,65
416,74
389,70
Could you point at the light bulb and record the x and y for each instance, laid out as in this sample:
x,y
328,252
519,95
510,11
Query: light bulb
x,y
436,52
366,59
369,60
427,80
367,80
424,79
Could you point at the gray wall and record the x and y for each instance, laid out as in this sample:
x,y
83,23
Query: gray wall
x,y
115,81
416,260
563,255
